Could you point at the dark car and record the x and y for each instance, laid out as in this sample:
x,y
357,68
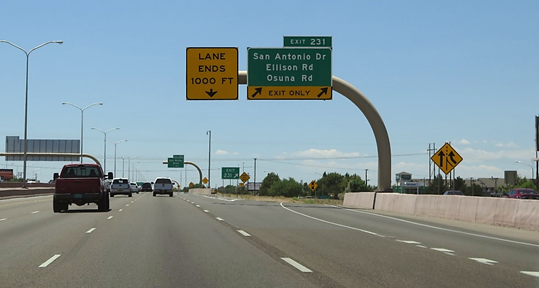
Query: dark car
x,y
522,193
454,192
146,187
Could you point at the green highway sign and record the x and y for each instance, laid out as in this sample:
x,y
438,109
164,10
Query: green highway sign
x,y
307,41
230,173
289,73
175,162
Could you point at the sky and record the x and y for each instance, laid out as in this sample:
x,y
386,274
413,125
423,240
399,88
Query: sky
x,y
464,72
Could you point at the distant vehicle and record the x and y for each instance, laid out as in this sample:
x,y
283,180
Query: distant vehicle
x,y
32,181
162,186
522,193
120,186
80,184
134,187
146,187
454,192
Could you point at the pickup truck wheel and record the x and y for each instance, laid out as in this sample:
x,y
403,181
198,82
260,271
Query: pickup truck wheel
x,y
170,194
56,207
111,195
153,194
130,194
104,204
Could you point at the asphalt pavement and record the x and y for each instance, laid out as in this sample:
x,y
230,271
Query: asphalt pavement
x,y
208,241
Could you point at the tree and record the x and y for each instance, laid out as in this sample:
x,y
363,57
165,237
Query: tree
x,y
331,184
267,183
287,188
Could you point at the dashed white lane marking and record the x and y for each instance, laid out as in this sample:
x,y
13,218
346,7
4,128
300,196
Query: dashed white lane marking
x,y
244,233
35,212
421,246
297,265
48,262
445,229
332,223
90,231
121,210
484,261
408,241
198,206
219,218
206,211
110,217
3,219
443,250
127,205
531,273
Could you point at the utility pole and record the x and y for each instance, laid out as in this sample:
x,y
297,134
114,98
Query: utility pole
x,y
254,180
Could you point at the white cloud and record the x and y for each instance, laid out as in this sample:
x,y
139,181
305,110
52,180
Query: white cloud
x,y
508,145
221,152
464,142
317,153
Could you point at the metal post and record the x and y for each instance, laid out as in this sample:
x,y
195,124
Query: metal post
x,y
25,156
254,180
209,157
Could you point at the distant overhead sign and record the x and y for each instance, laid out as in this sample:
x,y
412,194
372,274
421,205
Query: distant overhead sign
x,y
446,158
212,73
175,162
289,73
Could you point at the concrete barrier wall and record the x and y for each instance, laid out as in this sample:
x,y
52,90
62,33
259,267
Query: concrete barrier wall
x,y
200,191
516,213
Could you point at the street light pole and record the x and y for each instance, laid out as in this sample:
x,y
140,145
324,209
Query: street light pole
x,y
81,122
105,146
209,157
115,146
25,157
523,163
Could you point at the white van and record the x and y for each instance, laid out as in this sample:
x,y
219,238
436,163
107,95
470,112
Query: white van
x,y
162,185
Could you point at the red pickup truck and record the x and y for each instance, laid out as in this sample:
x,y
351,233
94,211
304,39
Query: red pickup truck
x,y
80,184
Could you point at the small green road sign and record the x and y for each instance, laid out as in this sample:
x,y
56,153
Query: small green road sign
x,y
175,162
230,173
307,41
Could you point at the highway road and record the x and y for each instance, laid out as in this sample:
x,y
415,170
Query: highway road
x,y
202,241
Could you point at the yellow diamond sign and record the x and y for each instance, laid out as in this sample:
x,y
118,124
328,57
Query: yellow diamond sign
x,y
244,177
313,185
446,158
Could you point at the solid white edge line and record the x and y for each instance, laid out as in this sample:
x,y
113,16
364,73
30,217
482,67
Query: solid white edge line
x,y
531,273
297,265
48,262
332,223
244,233
445,229
90,231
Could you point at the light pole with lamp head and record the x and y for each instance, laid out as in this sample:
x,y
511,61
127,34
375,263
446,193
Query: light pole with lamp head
x,y
524,163
81,122
105,146
115,146
209,157
25,156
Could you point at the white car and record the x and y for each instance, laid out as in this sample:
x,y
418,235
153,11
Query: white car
x,y
134,187
162,185
120,186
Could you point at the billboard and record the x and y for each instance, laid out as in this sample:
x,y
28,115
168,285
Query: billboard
x,y
6,174
15,145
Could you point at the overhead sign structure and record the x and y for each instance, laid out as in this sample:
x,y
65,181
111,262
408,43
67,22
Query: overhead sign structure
x,y
244,177
446,158
175,162
307,41
212,73
313,185
289,74
230,173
